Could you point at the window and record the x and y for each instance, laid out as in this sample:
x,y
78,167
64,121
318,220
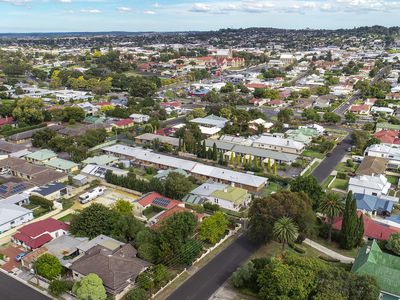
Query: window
x,y
374,194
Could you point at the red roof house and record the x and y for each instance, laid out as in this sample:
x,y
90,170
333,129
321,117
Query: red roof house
x,y
6,121
35,235
388,136
360,109
122,124
372,229
256,86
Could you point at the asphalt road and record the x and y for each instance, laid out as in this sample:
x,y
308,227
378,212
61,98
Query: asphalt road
x,y
11,289
326,167
208,279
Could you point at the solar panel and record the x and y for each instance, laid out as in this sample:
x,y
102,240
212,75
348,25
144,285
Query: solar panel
x,y
161,202
3,189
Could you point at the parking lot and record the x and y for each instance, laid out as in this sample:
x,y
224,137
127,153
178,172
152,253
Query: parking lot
x,y
110,196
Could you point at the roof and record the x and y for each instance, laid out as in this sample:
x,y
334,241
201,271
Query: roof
x,y
123,122
59,163
37,228
64,245
6,120
211,120
372,166
156,199
50,189
116,268
31,242
41,155
231,194
385,268
10,212
388,136
371,203
277,141
102,240
389,126
206,189
372,229
11,188
100,159
10,147
162,138
359,108
371,182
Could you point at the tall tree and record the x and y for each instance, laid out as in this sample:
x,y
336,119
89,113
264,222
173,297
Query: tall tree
x,y
285,231
213,227
331,206
310,186
350,225
90,288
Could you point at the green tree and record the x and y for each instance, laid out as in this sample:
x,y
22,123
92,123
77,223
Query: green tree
x,y
331,117
215,152
29,111
241,277
264,212
57,287
269,165
126,227
213,228
285,115
123,207
90,288
48,266
137,294
285,231
310,186
93,220
177,185
350,231
331,206
350,117
393,243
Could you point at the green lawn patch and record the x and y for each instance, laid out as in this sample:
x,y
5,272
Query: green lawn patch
x,y
335,247
151,211
40,211
393,179
340,184
66,218
271,188
311,168
326,182
314,154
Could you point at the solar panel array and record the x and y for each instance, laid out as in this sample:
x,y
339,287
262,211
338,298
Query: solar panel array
x,y
19,188
161,202
3,189
101,172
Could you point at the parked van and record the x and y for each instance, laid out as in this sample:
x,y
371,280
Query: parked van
x,y
93,194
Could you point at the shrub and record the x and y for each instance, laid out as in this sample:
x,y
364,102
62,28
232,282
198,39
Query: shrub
x,y
137,294
57,287
350,163
328,259
297,248
48,266
341,175
42,202
210,206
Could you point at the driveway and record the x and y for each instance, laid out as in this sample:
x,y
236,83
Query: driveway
x,y
11,252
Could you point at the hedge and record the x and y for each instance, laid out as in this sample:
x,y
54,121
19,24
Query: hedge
x,y
23,129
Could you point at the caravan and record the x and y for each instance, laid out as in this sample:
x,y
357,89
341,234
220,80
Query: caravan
x,y
93,194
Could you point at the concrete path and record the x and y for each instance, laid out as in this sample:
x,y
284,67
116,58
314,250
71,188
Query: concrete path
x,y
329,252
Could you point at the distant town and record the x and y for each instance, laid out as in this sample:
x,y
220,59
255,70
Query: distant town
x,y
253,163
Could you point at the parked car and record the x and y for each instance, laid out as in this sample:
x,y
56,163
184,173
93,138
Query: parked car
x,y
21,256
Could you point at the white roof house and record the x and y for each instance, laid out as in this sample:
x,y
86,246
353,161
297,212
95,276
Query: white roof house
x,y
12,215
278,144
211,121
195,168
388,151
139,118
369,185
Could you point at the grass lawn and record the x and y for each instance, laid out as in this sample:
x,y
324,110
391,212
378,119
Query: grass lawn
x,y
66,218
40,211
335,247
311,168
311,153
151,211
392,179
326,182
340,184
344,168
271,188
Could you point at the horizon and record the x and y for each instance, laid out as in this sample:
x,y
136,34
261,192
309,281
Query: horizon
x,y
38,16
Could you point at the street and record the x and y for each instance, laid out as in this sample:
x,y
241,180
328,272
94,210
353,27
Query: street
x,y
326,167
11,289
208,279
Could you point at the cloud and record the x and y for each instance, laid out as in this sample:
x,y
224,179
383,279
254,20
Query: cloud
x,y
149,12
91,11
16,2
65,1
124,9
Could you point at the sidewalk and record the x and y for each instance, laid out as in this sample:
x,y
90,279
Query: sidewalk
x,y
329,252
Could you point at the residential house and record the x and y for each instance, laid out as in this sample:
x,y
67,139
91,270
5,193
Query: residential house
x,y
386,126
171,106
123,124
372,166
257,101
211,124
163,140
256,124
41,156
88,107
101,160
382,110
370,185
8,148
101,170
52,191
203,193
139,118
278,144
372,228
35,235
389,152
12,215
384,267
302,134
363,109
231,198
62,165
388,136
118,268
375,205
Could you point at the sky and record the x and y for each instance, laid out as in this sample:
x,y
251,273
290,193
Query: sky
x,y
182,15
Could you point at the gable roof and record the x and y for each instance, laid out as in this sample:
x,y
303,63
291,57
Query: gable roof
x,y
371,203
372,165
231,194
9,212
116,268
385,268
50,188
156,199
37,228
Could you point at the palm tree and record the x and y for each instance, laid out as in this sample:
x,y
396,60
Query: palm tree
x,y
332,206
285,231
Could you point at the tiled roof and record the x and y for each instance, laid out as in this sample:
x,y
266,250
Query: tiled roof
x,y
158,200
31,242
40,227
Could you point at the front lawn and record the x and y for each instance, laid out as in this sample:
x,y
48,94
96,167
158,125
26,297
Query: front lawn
x,y
271,188
326,182
340,184
392,179
67,218
314,154
311,168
